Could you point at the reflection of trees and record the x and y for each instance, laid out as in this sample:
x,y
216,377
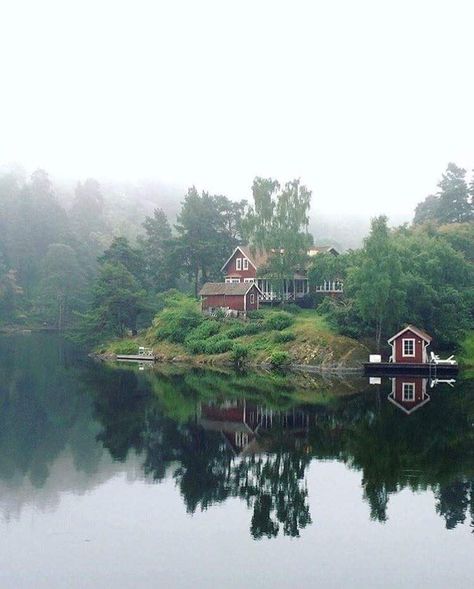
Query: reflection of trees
x,y
42,412
156,415
273,485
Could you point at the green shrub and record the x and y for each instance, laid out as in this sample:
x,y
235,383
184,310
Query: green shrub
x,y
284,336
205,329
196,346
279,320
217,345
239,353
257,314
244,329
125,347
174,323
279,358
291,308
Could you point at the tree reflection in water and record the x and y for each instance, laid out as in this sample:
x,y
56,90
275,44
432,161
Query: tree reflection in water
x,y
226,435
430,449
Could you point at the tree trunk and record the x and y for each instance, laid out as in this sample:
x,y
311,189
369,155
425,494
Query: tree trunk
x,y
196,280
378,334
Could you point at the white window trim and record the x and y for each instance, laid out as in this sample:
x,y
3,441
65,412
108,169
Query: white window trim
x,y
238,263
245,264
408,339
411,386
252,298
248,280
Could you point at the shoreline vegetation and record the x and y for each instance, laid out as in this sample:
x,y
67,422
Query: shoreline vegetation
x,y
287,337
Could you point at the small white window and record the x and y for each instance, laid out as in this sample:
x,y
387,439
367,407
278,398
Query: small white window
x,y
235,280
408,391
248,279
252,298
245,264
238,263
408,347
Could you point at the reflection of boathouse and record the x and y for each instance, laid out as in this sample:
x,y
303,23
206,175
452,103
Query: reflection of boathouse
x,y
244,424
409,393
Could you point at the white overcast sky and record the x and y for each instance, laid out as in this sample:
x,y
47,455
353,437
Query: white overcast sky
x,y
366,101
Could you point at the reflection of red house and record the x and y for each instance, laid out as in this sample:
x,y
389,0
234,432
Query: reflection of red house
x,y
241,424
232,298
409,346
409,393
235,419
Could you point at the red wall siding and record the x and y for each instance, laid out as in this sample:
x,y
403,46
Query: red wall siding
x,y
418,382
230,269
235,302
419,343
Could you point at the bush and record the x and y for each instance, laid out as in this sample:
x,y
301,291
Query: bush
x,y
279,358
174,323
291,308
279,320
206,329
257,314
239,353
125,347
284,336
244,329
216,345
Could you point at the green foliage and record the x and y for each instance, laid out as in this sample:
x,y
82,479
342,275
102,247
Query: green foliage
x,y
208,228
278,222
467,350
239,353
175,322
125,346
452,203
291,308
205,329
284,337
242,329
279,358
410,275
218,344
278,320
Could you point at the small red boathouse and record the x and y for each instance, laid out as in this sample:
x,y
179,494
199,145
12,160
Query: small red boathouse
x,y
232,298
409,393
409,346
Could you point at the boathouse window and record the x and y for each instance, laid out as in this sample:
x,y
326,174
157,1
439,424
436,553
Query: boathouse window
x,y
238,263
245,264
232,280
408,347
248,279
408,391
252,298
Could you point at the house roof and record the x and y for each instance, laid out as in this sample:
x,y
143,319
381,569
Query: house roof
x,y
259,258
425,336
412,406
227,288
322,249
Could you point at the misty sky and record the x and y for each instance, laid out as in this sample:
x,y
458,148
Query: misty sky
x,y
366,101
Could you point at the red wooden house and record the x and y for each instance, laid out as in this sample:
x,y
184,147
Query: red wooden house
x,y
409,393
245,264
232,298
409,346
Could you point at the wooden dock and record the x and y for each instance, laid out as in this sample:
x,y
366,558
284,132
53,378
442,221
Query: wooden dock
x,y
135,358
428,369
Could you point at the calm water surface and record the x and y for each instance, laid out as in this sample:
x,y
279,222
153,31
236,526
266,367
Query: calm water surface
x,y
115,477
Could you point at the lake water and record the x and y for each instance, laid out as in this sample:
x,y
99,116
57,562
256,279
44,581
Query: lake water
x,y
116,477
